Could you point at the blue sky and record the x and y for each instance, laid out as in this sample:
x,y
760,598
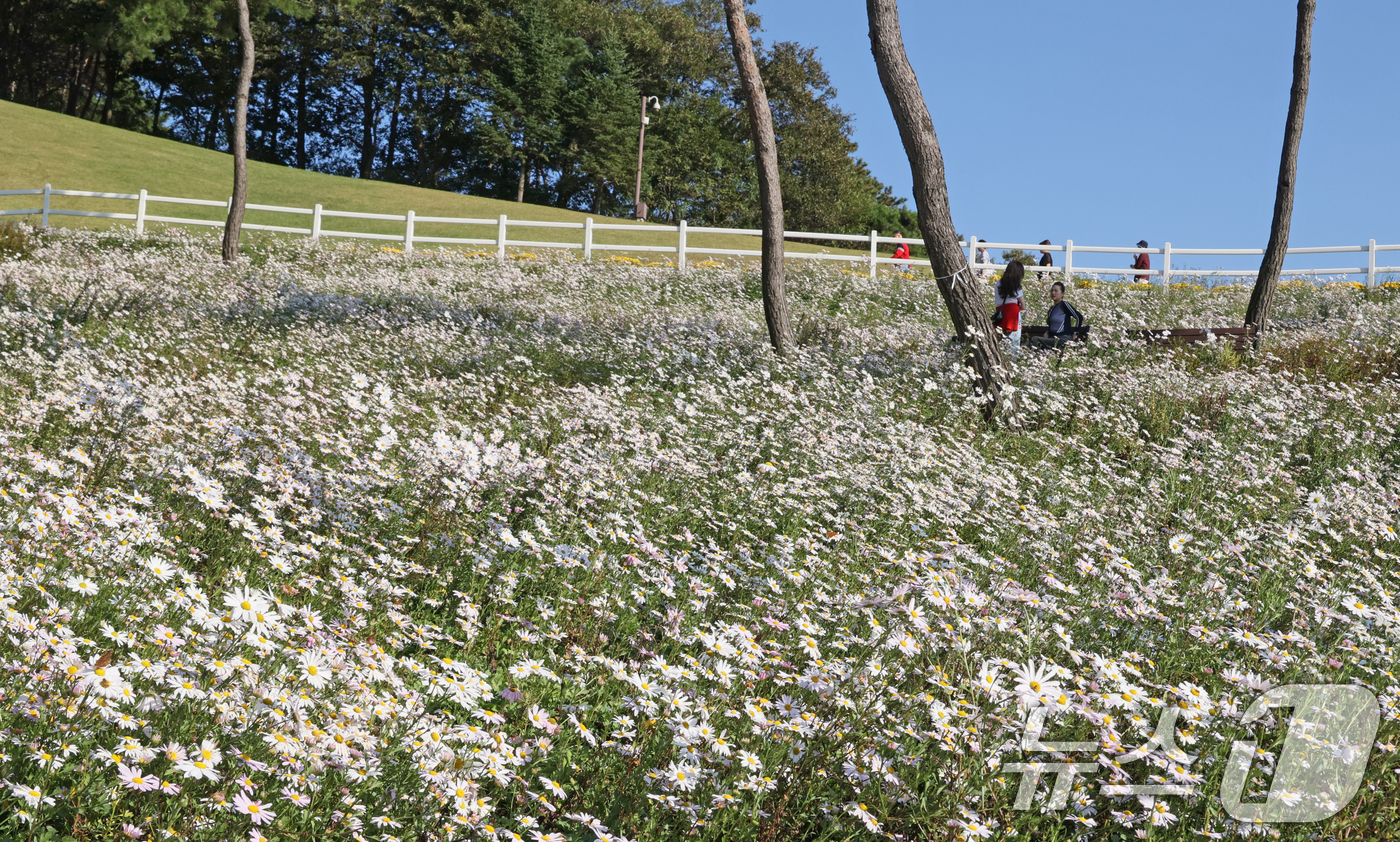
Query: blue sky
x,y
1109,122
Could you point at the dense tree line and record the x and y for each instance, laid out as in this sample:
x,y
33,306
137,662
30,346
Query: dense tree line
x,y
521,99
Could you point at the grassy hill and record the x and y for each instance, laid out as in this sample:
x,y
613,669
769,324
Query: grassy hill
x,y
38,147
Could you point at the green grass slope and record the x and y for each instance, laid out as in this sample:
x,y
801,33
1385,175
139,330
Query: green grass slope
x,y
38,147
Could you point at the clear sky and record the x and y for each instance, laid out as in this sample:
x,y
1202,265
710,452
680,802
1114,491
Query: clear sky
x,y
1106,121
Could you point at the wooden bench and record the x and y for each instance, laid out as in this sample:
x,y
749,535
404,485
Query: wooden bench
x,y
1241,337
1028,332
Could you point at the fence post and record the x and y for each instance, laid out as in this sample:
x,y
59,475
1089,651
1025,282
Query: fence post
x,y
316,223
971,256
1069,262
228,208
408,232
1166,265
680,247
588,238
1371,267
141,213
873,244
45,217
501,238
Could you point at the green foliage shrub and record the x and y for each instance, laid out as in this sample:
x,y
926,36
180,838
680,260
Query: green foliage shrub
x,y
1026,258
16,241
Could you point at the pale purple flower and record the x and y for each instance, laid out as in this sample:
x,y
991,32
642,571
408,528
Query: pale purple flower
x,y
259,812
132,778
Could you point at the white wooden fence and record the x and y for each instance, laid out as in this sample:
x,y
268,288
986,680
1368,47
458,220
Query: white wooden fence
x,y
682,251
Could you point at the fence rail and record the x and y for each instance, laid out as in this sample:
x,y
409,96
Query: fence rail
x,y
682,250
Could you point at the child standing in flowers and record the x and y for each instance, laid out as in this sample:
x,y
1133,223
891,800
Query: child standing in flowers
x,y
1010,301
901,252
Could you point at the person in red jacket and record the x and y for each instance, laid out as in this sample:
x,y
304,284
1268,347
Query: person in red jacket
x,y
1010,300
1142,261
901,252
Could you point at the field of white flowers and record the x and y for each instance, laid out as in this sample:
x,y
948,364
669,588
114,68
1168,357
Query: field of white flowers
x,y
346,544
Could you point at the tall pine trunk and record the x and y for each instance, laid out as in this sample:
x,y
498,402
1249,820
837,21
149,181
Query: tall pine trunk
x,y
370,115
272,124
390,154
89,94
216,121
160,102
301,121
234,227
1261,301
775,305
75,83
113,68
961,293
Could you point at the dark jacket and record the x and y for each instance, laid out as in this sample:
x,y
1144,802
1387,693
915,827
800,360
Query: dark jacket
x,y
1071,315
1143,261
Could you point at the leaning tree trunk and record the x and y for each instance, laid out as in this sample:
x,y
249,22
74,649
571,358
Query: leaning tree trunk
x,y
960,290
234,226
775,305
1262,299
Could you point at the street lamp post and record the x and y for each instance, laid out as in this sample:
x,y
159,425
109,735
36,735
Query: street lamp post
x,y
641,141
